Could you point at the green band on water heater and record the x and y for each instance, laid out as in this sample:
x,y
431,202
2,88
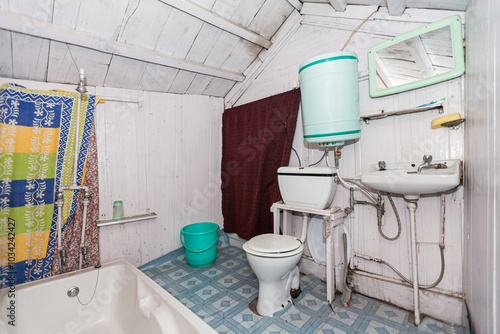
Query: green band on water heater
x,y
326,60
332,134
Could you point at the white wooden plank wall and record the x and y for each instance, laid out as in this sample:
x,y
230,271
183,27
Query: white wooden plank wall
x,y
482,173
163,155
403,138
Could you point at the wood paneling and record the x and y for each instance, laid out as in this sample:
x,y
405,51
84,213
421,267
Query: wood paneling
x,y
395,139
6,67
482,165
156,151
164,157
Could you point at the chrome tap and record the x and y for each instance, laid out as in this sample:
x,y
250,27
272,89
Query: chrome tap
x,y
427,164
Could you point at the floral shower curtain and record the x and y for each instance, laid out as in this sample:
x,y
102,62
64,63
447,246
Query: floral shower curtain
x,y
38,133
72,232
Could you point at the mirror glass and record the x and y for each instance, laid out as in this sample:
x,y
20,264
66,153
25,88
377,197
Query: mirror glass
x,y
422,57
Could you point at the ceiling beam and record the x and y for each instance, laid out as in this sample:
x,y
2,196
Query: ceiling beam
x,y
214,19
383,72
296,3
29,26
339,5
396,7
420,56
265,57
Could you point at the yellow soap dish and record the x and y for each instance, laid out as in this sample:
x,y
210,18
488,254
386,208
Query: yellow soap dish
x,y
447,121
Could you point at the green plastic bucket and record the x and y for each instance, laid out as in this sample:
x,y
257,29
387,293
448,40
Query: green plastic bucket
x,y
200,242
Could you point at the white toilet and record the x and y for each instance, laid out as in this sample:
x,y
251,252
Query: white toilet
x,y
274,257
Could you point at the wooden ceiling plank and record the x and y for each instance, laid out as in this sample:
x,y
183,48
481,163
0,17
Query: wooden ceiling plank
x,y
203,43
266,25
61,67
29,57
439,4
242,55
246,11
339,5
296,3
124,73
199,84
282,36
157,78
37,9
6,58
64,15
218,87
222,49
382,72
420,56
181,83
145,24
101,18
396,7
25,25
218,21
351,12
179,34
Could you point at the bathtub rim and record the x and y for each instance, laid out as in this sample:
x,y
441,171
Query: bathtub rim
x,y
189,315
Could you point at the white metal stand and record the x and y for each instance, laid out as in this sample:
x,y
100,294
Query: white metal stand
x,y
331,217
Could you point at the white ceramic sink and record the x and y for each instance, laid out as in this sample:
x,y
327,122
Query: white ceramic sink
x,y
403,178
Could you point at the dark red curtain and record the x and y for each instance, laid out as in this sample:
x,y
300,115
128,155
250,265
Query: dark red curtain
x,y
254,146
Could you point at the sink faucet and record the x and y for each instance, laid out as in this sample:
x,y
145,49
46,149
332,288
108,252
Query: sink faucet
x,y
427,164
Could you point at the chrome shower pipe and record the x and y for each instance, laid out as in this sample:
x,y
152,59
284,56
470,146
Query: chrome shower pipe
x,y
83,249
81,89
59,204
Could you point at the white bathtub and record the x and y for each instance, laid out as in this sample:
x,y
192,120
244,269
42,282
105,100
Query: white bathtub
x,y
125,301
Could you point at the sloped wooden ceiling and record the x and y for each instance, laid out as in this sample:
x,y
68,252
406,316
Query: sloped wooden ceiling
x,y
177,46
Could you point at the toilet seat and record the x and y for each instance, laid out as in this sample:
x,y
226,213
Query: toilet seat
x,y
273,245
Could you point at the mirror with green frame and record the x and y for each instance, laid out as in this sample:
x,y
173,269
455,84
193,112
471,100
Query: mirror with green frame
x,y
421,57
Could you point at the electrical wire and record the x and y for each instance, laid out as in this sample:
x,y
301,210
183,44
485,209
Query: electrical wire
x,y
356,29
286,131
319,161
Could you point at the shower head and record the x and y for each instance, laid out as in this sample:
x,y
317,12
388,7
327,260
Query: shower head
x,y
81,85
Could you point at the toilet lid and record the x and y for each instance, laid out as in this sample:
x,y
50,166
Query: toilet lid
x,y
273,243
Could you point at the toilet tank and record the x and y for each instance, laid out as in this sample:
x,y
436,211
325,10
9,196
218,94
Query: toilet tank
x,y
310,187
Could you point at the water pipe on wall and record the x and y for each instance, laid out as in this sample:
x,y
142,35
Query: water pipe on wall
x,y
412,206
81,89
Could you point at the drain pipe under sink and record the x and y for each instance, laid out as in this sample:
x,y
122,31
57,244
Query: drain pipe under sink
x,y
412,208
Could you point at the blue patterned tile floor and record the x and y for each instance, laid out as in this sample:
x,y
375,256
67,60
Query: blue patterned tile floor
x,y
220,295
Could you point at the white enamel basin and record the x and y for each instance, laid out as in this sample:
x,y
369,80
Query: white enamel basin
x,y
403,178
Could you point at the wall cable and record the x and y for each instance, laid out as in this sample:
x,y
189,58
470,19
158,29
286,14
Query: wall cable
x,y
286,131
356,29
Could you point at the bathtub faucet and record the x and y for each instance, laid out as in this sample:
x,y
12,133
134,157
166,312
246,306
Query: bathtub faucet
x,y
85,251
62,254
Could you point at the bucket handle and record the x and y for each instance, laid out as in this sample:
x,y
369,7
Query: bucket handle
x,y
202,250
